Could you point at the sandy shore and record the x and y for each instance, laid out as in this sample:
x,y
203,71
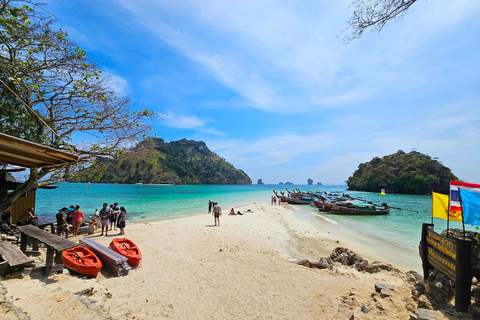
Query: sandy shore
x,y
244,269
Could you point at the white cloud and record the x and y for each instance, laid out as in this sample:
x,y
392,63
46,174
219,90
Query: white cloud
x,y
188,122
181,121
117,83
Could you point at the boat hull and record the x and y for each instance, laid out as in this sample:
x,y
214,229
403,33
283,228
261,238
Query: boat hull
x,y
128,249
82,260
361,212
291,200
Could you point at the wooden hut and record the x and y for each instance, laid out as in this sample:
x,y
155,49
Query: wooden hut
x,y
26,154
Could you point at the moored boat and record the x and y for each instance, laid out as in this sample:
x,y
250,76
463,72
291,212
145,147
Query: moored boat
x,y
359,209
82,260
128,249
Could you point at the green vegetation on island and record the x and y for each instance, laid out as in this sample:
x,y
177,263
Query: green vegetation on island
x,y
155,161
407,173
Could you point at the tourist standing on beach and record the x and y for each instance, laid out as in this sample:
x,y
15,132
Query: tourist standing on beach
x,y
113,217
77,219
217,212
121,220
209,206
104,218
62,226
69,216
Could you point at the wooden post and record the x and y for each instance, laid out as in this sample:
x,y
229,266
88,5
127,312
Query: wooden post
x,y
23,242
423,247
463,272
49,261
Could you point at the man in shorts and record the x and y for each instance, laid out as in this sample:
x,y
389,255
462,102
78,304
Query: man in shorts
x,y
62,226
105,218
217,212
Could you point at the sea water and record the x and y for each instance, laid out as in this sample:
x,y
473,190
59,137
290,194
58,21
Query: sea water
x,y
394,237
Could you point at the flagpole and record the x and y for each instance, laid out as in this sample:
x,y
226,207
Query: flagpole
x,y
432,206
448,222
461,208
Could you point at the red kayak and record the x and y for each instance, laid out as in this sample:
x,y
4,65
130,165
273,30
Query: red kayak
x,y
82,260
127,249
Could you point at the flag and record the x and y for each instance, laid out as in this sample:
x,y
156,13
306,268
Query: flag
x,y
454,205
471,206
382,192
440,208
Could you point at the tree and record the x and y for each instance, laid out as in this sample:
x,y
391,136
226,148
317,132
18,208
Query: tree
x,y
50,92
375,14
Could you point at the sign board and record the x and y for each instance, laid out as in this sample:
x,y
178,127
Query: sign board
x,y
453,258
442,253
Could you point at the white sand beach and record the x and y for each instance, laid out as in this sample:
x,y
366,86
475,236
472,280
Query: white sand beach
x,y
244,269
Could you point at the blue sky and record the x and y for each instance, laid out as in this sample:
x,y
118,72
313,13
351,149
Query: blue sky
x,y
271,87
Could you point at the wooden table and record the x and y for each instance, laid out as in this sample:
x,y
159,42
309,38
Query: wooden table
x,y
55,245
43,222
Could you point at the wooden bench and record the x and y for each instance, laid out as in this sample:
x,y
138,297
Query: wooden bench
x,y
13,258
55,245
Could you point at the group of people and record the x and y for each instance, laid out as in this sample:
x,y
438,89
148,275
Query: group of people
x,y
112,216
67,217
274,200
217,212
109,216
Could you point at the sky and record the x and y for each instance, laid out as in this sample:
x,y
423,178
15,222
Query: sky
x,y
272,87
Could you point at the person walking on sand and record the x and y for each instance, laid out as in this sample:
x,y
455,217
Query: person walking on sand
x,y
105,218
209,206
217,212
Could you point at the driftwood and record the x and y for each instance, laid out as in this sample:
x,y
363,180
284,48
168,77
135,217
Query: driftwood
x,y
114,261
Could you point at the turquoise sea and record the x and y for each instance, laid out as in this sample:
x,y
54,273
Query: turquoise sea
x,y
394,236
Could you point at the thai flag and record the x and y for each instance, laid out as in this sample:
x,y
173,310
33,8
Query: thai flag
x,y
454,204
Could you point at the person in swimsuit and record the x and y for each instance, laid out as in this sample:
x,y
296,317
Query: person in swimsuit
x,y
121,220
77,220
217,212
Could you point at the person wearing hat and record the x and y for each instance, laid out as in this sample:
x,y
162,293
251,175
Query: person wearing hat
x,y
62,225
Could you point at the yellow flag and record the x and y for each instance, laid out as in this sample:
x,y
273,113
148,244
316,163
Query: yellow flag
x,y
440,208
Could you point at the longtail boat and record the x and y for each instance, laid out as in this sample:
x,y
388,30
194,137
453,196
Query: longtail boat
x,y
365,209
82,260
128,249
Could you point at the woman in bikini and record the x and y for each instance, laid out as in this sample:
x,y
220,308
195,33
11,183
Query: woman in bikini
x,y
77,220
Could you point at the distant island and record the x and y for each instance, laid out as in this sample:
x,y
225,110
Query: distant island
x,y
155,161
406,173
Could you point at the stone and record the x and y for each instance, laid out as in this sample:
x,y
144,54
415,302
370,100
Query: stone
x,y
379,287
475,311
365,308
425,314
439,288
410,306
384,293
414,277
383,266
424,302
